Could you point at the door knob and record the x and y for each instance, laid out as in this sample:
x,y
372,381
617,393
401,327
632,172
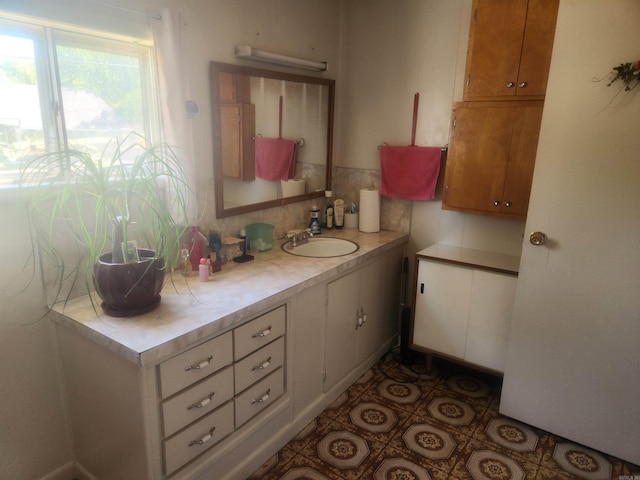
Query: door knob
x,y
537,238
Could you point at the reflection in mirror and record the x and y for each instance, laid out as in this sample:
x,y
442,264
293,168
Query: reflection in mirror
x,y
264,121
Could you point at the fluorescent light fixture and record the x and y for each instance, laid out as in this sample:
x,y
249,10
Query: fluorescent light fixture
x,y
246,51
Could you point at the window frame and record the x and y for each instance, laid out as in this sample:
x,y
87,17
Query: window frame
x,y
46,37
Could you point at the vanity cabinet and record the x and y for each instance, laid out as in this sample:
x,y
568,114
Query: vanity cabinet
x,y
463,311
243,379
492,152
362,313
510,44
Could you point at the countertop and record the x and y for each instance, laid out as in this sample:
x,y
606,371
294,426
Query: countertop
x,y
467,257
191,310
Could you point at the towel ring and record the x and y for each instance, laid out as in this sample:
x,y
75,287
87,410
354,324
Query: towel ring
x,y
300,142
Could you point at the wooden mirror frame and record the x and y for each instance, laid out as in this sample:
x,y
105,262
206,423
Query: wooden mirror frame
x,y
214,69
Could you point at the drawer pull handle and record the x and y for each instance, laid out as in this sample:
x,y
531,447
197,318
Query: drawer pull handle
x,y
262,366
202,364
262,399
204,439
264,333
202,403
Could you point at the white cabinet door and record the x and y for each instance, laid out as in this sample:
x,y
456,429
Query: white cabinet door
x,y
380,302
442,308
490,312
307,339
371,294
343,308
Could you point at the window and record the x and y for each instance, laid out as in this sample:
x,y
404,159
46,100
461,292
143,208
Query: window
x,y
60,88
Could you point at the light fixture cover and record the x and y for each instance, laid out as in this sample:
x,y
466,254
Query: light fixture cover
x,y
246,51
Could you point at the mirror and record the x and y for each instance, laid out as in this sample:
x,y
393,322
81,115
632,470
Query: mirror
x,y
288,113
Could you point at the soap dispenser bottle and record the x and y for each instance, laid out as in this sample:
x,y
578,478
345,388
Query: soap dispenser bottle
x,y
314,222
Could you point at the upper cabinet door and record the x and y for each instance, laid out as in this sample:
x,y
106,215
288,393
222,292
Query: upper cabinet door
x,y
536,47
510,44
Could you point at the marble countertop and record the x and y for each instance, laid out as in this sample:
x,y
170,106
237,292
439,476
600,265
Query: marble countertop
x,y
191,310
468,257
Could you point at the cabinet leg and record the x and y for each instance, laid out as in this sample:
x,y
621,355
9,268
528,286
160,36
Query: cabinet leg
x,y
429,362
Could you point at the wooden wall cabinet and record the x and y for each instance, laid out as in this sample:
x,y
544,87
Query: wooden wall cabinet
x,y
492,153
238,130
510,43
237,127
494,134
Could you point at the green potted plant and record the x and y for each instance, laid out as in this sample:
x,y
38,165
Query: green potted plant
x,y
125,212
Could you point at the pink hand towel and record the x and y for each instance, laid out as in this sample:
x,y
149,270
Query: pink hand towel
x,y
275,158
409,172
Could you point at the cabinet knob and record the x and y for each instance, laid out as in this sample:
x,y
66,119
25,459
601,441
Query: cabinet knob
x,y
522,84
507,203
510,84
537,238
496,203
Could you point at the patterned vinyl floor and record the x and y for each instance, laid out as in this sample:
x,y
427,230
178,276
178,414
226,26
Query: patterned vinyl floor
x,y
396,424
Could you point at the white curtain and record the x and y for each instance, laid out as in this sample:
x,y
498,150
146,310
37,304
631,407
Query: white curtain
x,y
168,34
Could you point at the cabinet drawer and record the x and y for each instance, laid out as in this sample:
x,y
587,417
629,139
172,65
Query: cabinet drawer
x,y
197,401
195,364
259,332
258,397
259,364
191,442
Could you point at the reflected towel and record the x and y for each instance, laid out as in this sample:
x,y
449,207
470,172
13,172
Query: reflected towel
x,y
275,158
409,172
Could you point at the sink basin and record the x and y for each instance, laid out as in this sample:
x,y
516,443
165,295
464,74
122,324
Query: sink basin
x,y
321,247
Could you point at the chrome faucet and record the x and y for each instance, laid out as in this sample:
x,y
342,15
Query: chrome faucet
x,y
298,237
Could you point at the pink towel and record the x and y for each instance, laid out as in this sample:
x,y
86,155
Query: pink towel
x,y
409,172
275,158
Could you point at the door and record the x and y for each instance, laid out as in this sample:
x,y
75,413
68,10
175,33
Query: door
x,y
343,307
442,308
573,360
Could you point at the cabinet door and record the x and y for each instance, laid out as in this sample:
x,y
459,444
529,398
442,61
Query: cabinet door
x,y
442,308
380,300
537,45
477,158
343,306
510,43
492,153
495,41
491,308
308,347
237,132
522,158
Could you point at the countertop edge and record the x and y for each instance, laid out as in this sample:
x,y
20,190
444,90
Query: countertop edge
x,y
107,331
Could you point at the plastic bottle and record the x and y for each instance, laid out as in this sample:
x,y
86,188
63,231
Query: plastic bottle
x,y
196,243
338,211
327,215
203,270
314,223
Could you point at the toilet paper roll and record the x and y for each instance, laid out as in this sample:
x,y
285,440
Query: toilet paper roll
x,y
369,220
292,187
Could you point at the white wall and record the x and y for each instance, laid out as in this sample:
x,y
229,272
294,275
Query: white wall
x,y
391,51
34,438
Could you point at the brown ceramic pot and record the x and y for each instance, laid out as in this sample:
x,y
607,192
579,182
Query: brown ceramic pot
x,y
129,289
